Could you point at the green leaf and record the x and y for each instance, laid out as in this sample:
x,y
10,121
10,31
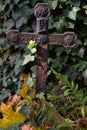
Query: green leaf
x,y
54,4
33,50
4,94
14,127
60,25
16,15
32,44
25,13
25,110
1,7
22,3
85,74
70,25
30,82
28,58
40,96
21,21
85,7
85,100
16,1
8,24
72,13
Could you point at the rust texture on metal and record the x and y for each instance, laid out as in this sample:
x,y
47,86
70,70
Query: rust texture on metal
x,y
67,39
70,39
41,71
14,37
42,13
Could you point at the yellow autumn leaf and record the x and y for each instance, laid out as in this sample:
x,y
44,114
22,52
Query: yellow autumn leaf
x,y
25,90
10,117
32,95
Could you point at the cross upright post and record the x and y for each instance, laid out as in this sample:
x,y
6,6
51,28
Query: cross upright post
x,y
67,40
42,13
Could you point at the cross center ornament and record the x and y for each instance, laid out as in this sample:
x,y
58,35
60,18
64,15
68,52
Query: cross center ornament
x,y
67,40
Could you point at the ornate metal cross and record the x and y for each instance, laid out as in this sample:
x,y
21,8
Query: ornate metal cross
x,y
67,39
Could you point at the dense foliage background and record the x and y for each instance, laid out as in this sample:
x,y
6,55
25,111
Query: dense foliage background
x,y
66,15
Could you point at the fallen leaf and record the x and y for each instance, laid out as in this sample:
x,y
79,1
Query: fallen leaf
x,y
25,90
10,117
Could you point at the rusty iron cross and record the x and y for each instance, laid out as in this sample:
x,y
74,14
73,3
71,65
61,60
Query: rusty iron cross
x,y
67,40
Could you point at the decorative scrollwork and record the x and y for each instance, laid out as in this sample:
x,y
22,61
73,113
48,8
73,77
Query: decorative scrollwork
x,y
70,39
42,25
42,10
12,37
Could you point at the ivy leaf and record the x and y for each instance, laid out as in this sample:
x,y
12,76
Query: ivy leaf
x,y
30,82
33,51
16,15
21,21
32,44
60,25
4,94
8,24
85,7
16,1
85,74
72,13
28,58
54,4
1,7
25,13
14,127
22,3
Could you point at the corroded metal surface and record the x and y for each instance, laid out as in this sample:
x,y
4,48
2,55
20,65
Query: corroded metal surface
x,y
70,39
42,25
42,10
41,72
67,39
42,13
14,37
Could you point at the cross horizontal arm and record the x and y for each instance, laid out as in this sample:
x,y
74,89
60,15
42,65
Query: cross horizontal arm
x,y
67,39
14,37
